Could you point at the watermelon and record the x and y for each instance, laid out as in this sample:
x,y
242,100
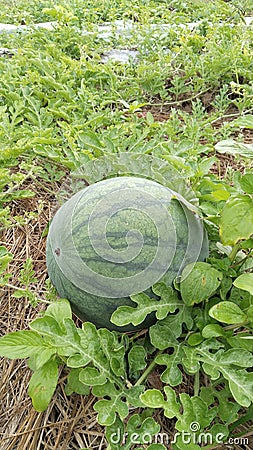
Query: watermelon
x,y
119,237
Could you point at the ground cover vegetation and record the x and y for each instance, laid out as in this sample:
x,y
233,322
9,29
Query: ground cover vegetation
x,y
186,102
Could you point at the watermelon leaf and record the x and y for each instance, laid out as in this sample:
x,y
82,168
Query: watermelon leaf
x,y
169,302
109,408
164,333
74,384
138,430
172,375
136,360
225,361
114,350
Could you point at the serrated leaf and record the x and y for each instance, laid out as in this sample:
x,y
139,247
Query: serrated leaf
x,y
236,220
21,344
146,305
42,385
164,333
227,312
172,375
113,350
109,408
199,282
245,282
92,377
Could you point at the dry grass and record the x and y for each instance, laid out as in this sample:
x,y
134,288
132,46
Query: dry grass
x,y
69,422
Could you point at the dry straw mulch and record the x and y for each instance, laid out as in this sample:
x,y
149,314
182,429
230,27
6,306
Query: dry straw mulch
x,y
69,422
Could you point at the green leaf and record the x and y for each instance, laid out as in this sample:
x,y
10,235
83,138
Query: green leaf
x,y
227,312
245,282
195,410
74,384
237,356
59,310
5,258
92,377
141,431
213,330
42,385
232,147
172,374
136,360
21,344
109,408
164,333
38,360
64,337
195,339
146,305
153,398
241,385
240,381
246,183
114,434
244,121
113,350
199,282
236,220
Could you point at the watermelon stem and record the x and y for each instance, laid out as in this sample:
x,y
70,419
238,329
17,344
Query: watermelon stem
x,y
148,370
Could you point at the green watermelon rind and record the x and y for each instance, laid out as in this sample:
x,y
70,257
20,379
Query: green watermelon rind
x,y
98,310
